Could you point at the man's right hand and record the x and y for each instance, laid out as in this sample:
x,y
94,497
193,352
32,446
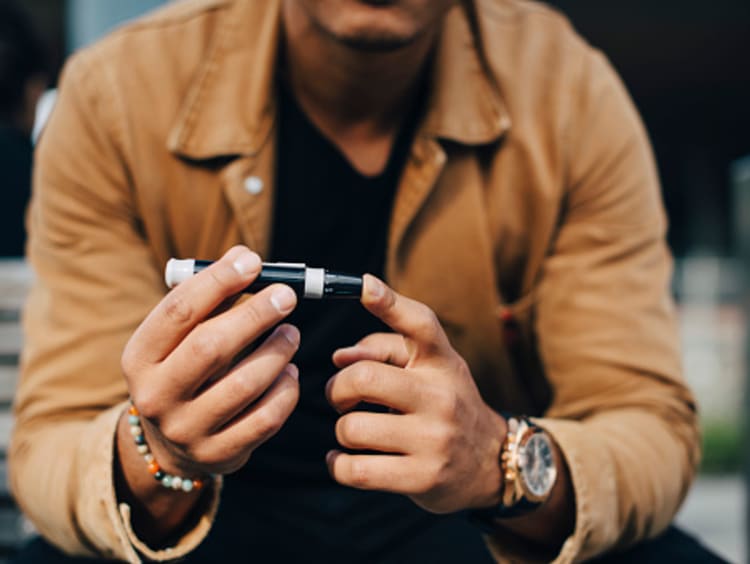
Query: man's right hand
x,y
203,410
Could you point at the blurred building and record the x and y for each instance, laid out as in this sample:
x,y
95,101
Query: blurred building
x,y
87,20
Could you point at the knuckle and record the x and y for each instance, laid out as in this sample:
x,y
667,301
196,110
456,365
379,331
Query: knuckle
x,y
446,404
213,459
240,385
129,362
222,275
209,457
253,314
347,430
175,433
177,309
434,477
360,477
444,438
205,346
267,422
364,378
147,401
460,366
427,322
372,339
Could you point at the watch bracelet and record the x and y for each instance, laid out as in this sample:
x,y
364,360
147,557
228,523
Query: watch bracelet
x,y
512,503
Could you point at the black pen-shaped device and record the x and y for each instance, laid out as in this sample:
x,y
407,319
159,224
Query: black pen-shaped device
x,y
313,283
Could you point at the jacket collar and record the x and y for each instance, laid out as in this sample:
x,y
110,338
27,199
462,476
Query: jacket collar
x,y
229,108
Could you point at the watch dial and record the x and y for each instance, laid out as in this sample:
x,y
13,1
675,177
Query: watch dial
x,y
539,465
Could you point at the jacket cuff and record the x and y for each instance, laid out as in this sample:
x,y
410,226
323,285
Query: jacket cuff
x,y
118,539
188,542
592,474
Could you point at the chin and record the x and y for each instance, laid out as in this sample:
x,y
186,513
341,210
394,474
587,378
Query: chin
x,y
375,25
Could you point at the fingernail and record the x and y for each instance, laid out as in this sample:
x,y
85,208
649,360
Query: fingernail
x,y
290,333
374,287
283,299
246,263
293,371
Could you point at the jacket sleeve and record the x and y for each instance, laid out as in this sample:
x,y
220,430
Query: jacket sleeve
x,y
96,279
604,326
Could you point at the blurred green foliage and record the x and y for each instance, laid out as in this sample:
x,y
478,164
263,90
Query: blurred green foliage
x,y
722,447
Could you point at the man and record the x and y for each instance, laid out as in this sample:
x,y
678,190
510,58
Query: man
x,y
476,155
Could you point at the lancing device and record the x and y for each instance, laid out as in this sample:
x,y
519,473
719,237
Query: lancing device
x,y
312,283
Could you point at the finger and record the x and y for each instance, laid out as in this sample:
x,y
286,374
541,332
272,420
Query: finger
x,y
213,345
245,383
384,472
372,382
388,348
408,317
361,430
191,302
257,423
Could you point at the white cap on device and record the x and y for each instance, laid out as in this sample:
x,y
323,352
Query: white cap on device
x,y
178,270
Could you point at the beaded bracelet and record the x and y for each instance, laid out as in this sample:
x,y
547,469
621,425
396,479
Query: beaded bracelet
x,y
167,480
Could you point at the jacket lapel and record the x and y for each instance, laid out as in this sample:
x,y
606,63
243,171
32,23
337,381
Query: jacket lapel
x,y
229,113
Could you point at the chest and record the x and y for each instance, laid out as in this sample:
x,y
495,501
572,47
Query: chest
x,y
455,239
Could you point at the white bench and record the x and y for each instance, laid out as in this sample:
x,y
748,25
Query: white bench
x,y
15,279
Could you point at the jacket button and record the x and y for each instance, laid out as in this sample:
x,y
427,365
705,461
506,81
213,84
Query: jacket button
x,y
253,185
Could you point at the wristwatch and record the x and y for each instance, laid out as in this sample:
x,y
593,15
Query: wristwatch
x,y
528,470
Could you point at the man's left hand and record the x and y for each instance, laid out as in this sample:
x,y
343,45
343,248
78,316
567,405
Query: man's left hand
x,y
440,442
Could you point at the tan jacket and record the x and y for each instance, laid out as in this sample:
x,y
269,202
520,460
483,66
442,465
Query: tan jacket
x,y
530,192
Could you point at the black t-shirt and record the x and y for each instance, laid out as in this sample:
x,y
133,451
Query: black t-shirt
x,y
284,500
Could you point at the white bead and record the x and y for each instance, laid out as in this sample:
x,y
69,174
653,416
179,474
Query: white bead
x,y
148,457
143,449
176,483
136,430
187,485
253,185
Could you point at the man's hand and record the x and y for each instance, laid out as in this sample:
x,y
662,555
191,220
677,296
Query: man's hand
x,y
203,409
441,441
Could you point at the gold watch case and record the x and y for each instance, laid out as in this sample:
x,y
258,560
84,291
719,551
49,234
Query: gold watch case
x,y
528,463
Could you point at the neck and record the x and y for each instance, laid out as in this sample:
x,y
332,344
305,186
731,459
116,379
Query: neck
x,y
340,87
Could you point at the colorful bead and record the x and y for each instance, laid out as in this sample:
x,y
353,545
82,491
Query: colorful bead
x,y
176,483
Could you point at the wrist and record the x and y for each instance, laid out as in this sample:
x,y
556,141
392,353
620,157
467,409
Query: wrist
x,y
491,490
528,468
156,512
165,475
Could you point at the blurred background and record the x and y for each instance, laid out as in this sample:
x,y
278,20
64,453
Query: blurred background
x,y
687,66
